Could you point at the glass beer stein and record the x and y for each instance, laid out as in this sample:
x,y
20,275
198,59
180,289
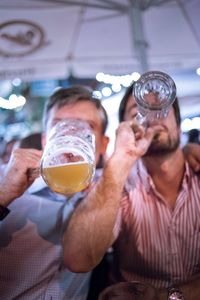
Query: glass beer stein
x,y
154,93
68,161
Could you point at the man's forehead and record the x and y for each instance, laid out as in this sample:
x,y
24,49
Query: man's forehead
x,y
77,106
79,110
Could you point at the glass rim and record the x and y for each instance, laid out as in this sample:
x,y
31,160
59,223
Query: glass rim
x,y
154,75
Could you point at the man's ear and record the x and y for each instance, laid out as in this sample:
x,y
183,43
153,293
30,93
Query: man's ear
x,y
104,144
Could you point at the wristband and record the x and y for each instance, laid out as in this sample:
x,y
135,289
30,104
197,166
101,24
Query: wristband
x,y
175,294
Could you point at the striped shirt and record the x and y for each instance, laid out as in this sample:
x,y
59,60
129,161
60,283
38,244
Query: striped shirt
x,y
156,244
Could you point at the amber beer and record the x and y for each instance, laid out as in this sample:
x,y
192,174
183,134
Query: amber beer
x,y
68,178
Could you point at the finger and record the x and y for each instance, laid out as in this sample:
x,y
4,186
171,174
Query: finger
x,y
18,157
135,126
21,162
194,163
139,130
144,143
33,173
30,153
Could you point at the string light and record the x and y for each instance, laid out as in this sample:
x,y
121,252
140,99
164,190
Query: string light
x,y
124,80
13,102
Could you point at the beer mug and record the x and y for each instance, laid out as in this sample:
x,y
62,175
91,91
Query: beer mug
x,y
68,161
133,290
154,93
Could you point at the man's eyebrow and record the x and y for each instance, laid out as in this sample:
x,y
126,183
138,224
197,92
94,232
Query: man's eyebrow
x,y
92,123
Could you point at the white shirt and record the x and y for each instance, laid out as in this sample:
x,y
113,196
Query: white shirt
x,y
31,265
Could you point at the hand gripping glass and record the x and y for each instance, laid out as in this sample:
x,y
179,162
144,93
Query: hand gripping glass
x,y
68,160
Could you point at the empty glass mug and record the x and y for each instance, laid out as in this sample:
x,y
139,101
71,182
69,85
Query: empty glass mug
x,y
68,160
154,93
133,290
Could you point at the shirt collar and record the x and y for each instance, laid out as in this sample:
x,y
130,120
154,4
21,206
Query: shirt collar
x,y
139,172
187,175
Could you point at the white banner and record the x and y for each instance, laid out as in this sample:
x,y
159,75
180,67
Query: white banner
x,y
52,39
35,44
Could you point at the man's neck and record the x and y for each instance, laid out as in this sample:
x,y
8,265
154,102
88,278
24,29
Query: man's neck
x,y
167,174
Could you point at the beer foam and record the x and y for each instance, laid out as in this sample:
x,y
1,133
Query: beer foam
x,y
69,164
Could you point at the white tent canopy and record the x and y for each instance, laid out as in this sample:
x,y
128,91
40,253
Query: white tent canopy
x,y
41,39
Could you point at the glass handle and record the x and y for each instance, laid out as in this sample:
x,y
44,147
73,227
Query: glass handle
x,y
141,119
154,92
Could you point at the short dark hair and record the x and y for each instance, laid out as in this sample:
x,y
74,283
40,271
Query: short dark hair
x,y
193,136
74,94
129,92
123,103
31,141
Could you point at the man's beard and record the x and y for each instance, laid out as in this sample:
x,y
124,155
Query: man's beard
x,y
157,148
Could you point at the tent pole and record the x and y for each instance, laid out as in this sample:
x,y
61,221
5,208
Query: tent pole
x,y
139,42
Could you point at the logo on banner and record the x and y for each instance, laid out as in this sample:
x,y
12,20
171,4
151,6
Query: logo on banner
x,y
20,38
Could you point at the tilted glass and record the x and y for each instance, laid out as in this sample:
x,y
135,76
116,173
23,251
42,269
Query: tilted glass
x,y
154,93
